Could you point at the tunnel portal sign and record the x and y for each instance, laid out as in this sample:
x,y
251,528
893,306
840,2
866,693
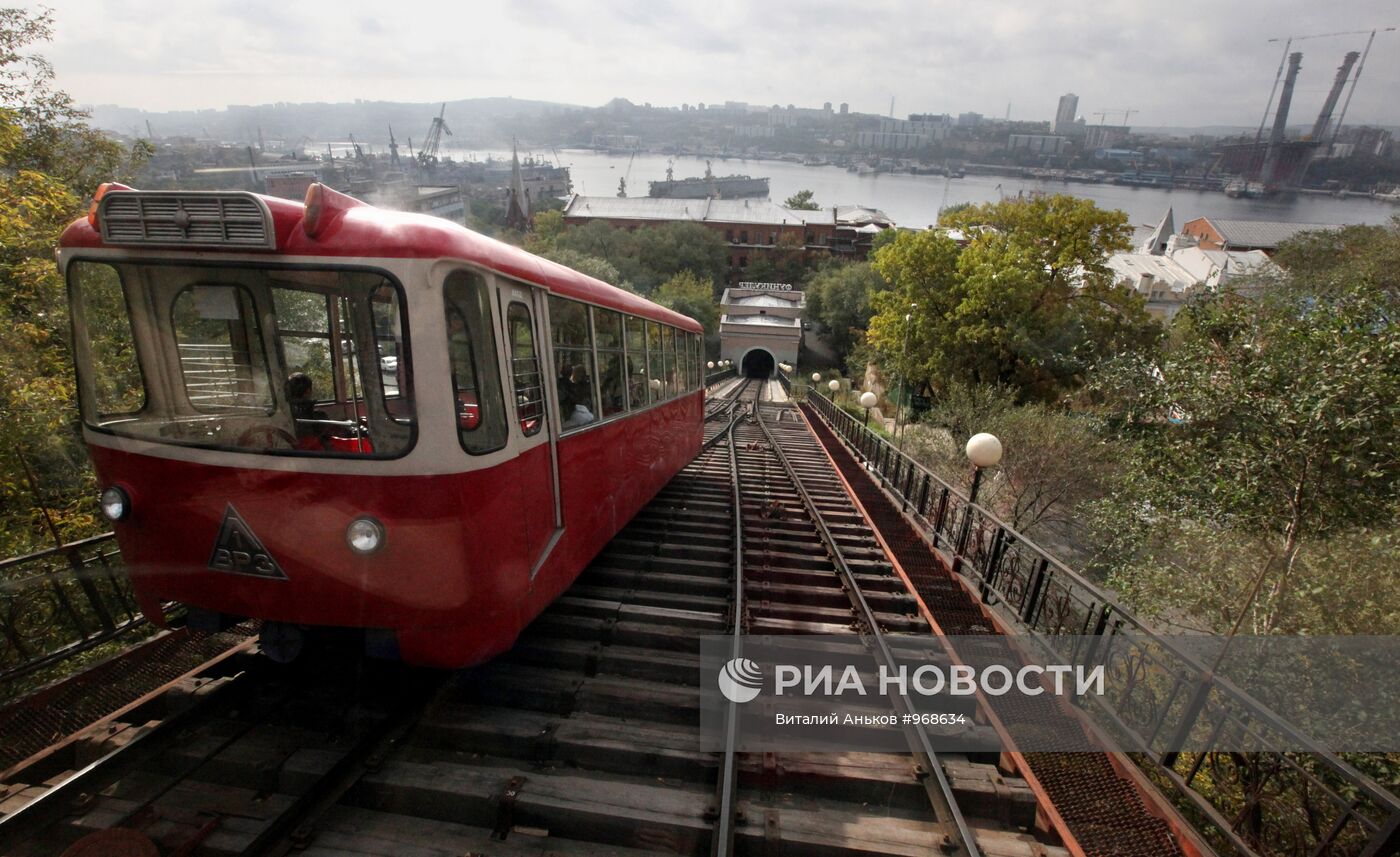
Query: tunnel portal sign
x,y
764,287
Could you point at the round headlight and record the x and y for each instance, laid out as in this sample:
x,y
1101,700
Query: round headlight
x,y
365,535
115,504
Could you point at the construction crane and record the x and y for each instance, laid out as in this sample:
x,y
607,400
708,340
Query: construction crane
x,y
622,185
1104,114
1283,61
427,155
1359,67
359,153
393,148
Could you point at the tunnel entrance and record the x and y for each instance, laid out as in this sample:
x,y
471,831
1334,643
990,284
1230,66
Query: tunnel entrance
x,y
758,363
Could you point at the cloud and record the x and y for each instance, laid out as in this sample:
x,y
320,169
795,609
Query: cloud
x,y
1215,67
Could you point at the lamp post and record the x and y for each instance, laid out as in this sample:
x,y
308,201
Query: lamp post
x,y
903,370
867,401
816,377
834,386
983,450
710,365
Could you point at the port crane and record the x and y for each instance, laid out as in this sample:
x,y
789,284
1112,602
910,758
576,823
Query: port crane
x,y
393,148
359,152
427,154
622,185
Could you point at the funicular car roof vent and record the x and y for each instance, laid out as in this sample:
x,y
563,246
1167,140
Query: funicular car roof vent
x,y
186,219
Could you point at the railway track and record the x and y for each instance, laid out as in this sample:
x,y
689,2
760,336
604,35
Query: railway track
x,y
584,738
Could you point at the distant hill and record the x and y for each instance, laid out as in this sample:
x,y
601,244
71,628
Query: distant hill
x,y
487,120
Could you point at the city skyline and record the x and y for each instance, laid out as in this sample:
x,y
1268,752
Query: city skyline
x,y
932,58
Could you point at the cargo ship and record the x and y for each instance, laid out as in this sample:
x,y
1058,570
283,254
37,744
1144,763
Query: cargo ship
x,y
709,186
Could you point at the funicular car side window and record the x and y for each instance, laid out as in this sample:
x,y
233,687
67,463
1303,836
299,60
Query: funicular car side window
x,y
655,370
612,362
525,369
637,395
575,378
471,346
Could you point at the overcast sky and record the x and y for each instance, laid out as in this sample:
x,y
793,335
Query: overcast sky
x,y
1202,64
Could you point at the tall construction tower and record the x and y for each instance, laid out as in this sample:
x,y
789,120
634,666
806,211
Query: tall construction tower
x,y
1324,117
1268,173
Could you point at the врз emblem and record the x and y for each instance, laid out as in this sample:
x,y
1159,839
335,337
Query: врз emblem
x,y
238,551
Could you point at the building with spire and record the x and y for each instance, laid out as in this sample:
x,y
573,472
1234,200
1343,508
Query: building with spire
x,y
1156,243
518,203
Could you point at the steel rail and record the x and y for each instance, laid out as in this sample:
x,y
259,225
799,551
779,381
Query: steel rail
x,y
958,838
730,404
147,742
722,843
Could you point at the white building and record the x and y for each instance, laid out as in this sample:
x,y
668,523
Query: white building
x,y
1168,269
760,326
916,132
1040,144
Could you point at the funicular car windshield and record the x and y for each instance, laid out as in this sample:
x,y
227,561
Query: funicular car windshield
x,y
283,361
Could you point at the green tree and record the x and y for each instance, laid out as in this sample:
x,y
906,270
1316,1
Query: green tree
x,y
908,328
946,214
839,297
617,247
802,201
1055,460
690,295
1028,303
548,226
648,256
599,269
673,248
50,163
1289,434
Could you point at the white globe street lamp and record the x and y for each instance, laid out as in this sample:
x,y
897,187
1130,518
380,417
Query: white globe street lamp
x,y
867,401
710,365
816,377
983,450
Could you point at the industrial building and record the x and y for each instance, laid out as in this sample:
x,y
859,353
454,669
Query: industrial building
x,y
753,228
1215,234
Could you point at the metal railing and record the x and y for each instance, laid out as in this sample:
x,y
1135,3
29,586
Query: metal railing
x,y
719,375
62,601
1158,697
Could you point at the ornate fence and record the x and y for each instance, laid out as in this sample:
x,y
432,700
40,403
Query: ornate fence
x,y
59,602
719,375
1304,802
